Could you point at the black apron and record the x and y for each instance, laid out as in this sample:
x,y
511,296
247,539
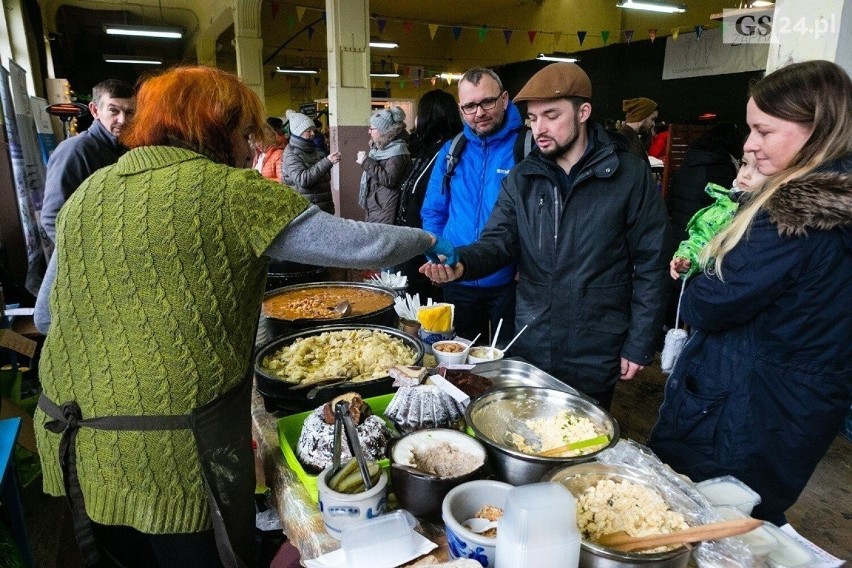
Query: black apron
x,y
222,431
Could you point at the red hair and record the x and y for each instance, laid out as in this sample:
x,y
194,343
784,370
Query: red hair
x,y
194,107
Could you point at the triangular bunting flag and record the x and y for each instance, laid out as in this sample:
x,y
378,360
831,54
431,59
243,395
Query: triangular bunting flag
x,y
433,81
652,33
675,33
433,29
316,80
483,31
274,7
507,35
311,31
605,36
628,35
402,83
456,32
300,12
581,36
383,62
407,26
698,30
291,21
531,35
387,85
381,23
396,67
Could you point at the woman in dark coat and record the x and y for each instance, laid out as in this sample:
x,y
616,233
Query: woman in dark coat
x,y
763,384
305,167
436,123
384,167
712,158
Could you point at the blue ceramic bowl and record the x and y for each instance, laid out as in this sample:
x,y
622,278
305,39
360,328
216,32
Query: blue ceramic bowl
x,y
462,503
429,337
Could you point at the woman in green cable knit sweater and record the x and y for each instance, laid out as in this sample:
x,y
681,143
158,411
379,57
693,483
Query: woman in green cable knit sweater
x,y
151,301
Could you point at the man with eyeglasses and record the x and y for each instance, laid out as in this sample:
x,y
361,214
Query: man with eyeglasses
x,y
583,219
458,205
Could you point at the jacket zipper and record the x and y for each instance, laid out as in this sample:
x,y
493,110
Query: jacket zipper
x,y
555,216
540,220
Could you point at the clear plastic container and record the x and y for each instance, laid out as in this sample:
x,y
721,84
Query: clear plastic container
x,y
728,490
788,553
387,537
760,541
538,528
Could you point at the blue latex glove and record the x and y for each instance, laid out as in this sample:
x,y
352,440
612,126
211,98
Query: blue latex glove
x,y
445,248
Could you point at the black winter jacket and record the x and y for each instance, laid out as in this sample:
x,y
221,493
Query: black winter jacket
x,y
592,261
765,380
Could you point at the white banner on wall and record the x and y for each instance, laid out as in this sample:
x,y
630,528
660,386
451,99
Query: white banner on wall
x,y
694,56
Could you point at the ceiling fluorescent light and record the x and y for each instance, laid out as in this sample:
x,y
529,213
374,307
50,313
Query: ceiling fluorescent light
x,y
296,70
168,32
652,6
557,57
389,74
760,4
450,76
382,44
134,59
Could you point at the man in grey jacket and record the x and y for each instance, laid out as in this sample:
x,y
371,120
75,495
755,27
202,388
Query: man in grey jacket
x,y
78,157
583,219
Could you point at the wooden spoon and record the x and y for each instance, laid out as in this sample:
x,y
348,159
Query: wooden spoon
x,y
626,543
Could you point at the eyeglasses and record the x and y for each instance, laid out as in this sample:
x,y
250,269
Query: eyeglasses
x,y
484,104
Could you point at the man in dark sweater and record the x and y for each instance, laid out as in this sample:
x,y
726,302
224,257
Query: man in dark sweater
x,y
78,157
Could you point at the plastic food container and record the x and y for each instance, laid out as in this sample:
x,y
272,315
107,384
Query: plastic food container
x,y
389,537
729,491
788,553
760,541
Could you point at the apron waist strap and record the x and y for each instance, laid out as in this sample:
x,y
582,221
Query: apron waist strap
x,y
67,420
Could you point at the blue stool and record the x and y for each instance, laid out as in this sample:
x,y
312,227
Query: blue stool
x,y
9,495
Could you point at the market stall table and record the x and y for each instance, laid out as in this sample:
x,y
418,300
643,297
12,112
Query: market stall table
x,y
300,518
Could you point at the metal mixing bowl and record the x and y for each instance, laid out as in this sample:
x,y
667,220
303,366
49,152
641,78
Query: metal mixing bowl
x,y
577,478
498,412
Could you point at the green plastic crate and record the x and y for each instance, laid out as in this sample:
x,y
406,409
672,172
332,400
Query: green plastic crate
x,y
290,427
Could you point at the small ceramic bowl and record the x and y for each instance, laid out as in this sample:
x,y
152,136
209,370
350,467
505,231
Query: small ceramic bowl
x,y
463,503
428,337
420,492
450,352
483,354
340,510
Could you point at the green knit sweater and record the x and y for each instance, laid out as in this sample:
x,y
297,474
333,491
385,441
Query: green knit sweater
x,y
157,294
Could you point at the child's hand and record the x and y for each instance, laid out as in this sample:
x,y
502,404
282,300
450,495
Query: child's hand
x,y
679,265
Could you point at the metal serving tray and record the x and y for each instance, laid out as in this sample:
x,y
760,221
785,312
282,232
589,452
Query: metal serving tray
x,y
517,372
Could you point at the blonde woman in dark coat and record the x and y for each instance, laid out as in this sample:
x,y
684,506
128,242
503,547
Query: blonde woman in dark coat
x,y
384,167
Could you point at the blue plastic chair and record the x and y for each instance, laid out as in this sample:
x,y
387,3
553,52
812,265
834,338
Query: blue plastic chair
x,y
10,496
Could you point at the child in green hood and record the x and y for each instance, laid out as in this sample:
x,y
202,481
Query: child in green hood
x,y
707,222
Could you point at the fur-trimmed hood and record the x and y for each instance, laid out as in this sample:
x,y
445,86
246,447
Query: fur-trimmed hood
x,y
820,200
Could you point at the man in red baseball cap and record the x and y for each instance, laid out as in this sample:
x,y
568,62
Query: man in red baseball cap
x,y
583,219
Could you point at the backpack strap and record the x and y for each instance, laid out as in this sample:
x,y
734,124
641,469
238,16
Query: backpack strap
x,y
524,144
453,156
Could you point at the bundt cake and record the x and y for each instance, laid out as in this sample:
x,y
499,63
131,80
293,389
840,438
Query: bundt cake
x,y
316,442
424,406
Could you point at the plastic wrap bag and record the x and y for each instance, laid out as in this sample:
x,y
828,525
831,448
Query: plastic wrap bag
x,y
682,495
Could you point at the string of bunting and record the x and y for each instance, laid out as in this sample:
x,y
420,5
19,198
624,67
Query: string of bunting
x,y
482,30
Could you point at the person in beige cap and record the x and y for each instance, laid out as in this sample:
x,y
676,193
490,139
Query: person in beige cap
x,y
583,220
639,117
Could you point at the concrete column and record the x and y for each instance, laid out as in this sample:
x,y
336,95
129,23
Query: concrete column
x,y
249,44
348,25
15,44
817,29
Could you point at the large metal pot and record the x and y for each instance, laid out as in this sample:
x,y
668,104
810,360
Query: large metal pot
x,y
385,316
280,395
498,412
283,273
581,476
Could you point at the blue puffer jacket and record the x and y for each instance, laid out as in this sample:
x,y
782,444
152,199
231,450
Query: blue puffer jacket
x,y
460,214
764,382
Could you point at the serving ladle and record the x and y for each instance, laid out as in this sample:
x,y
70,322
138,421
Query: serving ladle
x,y
343,309
479,525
